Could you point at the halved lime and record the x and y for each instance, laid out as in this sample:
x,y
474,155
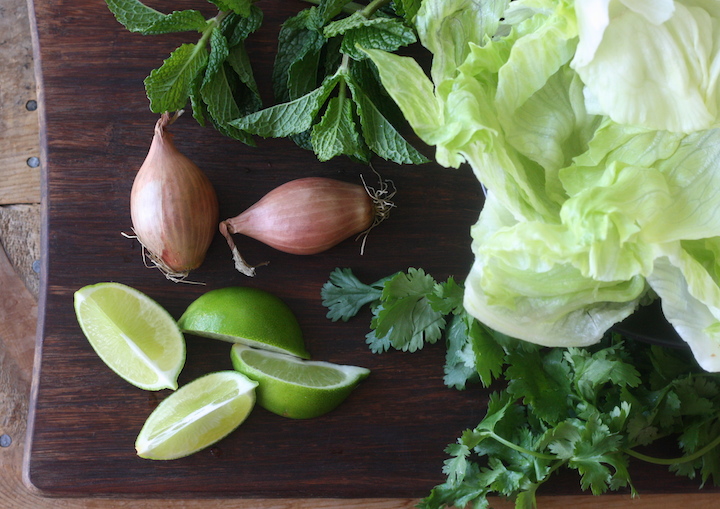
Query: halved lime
x,y
135,336
196,416
251,316
293,387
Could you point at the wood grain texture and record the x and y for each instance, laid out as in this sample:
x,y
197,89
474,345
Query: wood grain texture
x,y
12,492
19,141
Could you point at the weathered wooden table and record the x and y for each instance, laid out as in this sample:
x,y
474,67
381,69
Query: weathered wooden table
x,y
20,233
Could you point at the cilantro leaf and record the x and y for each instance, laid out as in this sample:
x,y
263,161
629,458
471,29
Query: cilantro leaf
x,y
344,294
460,365
377,344
543,381
406,316
583,409
489,355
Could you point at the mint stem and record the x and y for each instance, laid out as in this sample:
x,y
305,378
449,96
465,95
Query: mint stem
x,y
373,7
353,7
674,461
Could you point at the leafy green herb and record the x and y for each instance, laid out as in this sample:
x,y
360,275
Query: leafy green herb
x,y
214,73
587,409
328,97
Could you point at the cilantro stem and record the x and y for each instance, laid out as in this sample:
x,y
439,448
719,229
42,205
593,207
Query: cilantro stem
x,y
519,448
674,461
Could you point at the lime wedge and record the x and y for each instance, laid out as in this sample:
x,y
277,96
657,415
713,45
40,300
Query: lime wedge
x,y
293,387
196,416
135,336
251,316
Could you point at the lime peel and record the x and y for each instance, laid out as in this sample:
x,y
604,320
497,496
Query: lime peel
x,y
293,387
248,315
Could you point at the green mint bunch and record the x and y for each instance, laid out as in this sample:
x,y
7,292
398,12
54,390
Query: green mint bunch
x,y
329,95
327,92
584,409
214,74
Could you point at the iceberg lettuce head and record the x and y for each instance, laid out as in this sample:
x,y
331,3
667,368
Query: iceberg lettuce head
x,y
593,126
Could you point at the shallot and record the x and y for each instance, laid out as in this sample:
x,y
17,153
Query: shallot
x,y
308,216
173,206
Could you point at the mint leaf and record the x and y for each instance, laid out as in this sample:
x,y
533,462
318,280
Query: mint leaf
x,y
219,87
246,92
408,9
169,86
242,7
379,133
287,118
238,28
139,18
336,133
374,33
328,9
299,46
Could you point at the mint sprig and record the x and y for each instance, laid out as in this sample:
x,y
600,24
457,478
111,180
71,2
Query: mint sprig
x,y
585,409
213,74
328,97
316,51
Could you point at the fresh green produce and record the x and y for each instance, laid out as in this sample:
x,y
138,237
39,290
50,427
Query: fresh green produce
x,y
327,94
308,216
196,416
135,336
242,314
214,74
599,158
173,206
587,409
293,387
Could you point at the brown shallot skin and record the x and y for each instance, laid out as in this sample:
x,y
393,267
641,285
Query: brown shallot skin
x,y
307,216
173,206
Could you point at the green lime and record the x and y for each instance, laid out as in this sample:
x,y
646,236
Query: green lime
x,y
196,416
135,336
251,316
293,387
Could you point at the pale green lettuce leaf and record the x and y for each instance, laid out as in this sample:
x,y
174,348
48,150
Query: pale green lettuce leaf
x,y
531,294
667,78
446,26
690,301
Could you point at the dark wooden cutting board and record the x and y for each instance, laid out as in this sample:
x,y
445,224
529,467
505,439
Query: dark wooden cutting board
x,y
387,440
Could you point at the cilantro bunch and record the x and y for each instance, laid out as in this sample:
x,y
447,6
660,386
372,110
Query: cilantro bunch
x,y
328,96
586,409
